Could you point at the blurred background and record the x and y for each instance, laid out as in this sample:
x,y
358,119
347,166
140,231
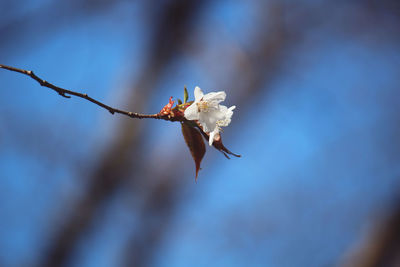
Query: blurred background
x,y
316,85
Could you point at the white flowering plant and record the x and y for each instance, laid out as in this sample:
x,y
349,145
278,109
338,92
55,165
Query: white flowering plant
x,y
201,118
209,114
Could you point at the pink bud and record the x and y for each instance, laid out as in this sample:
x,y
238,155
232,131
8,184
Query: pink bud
x,y
166,110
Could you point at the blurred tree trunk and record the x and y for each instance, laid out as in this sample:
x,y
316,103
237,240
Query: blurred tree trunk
x,y
172,25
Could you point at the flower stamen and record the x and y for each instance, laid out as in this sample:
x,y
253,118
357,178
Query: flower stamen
x,y
202,106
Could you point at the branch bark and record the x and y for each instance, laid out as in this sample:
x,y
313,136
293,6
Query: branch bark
x,y
65,93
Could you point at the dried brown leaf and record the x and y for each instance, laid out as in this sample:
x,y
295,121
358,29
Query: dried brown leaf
x,y
195,143
217,144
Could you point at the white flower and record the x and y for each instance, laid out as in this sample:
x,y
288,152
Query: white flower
x,y
209,113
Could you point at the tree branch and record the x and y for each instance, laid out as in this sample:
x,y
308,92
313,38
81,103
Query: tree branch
x,y
65,93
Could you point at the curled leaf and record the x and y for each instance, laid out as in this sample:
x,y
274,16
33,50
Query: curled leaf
x,y
220,147
217,143
195,143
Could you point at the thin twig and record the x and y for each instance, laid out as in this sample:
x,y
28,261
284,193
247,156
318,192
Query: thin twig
x,y
65,93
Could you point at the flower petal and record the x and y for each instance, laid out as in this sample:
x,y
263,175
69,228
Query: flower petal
x,y
227,115
191,112
198,94
211,137
215,97
207,122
